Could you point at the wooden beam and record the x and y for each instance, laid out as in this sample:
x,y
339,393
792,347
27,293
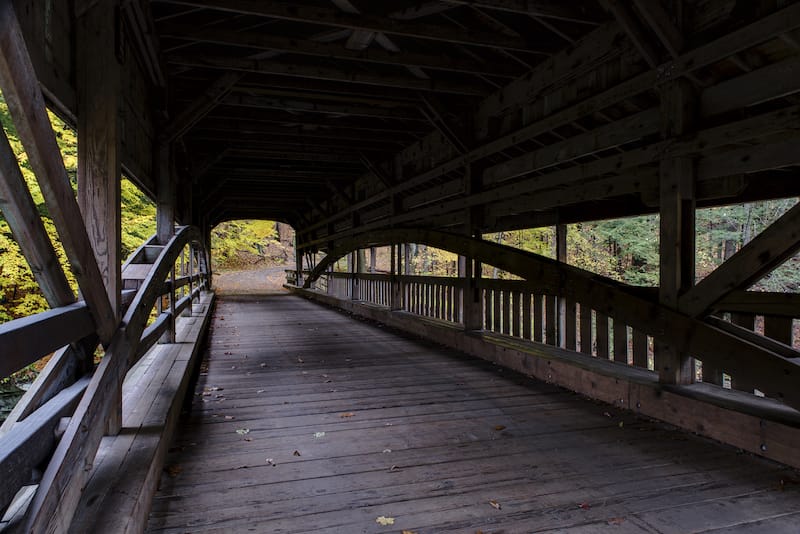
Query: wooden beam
x,y
310,104
200,107
320,72
99,170
569,11
768,83
19,210
634,29
25,101
26,340
368,22
269,41
659,21
759,257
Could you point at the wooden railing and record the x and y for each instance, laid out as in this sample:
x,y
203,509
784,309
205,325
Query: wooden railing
x,y
61,419
516,309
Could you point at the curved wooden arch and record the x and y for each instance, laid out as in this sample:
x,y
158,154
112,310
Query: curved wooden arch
x,y
774,374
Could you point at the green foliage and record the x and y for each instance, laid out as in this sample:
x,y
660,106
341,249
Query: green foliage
x,y
239,244
19,292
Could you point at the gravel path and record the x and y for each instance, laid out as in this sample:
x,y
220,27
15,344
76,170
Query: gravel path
x,y
251,282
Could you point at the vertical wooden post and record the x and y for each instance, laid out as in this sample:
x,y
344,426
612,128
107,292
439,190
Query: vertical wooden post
x,y
561,303
396,295
677,232
357,267
99,170
473,300
166,185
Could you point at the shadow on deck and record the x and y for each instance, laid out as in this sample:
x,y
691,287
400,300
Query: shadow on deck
x,y
305,420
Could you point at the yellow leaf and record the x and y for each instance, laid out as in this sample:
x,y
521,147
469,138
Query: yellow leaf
x,y
409,532
500,427
385,521
495,504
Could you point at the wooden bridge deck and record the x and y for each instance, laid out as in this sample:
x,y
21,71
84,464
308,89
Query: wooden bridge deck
x,y
305,420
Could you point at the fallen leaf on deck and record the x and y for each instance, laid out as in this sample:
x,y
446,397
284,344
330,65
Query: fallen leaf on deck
x,y
271,462
607,414
173,470
242,431
616,520
494,504
621,424
261,391
215,388
409,532
296,453
230,417
319,435
500,427
300,360
228,353
584,506
263,365
387,451
324,376
393,468
385,521
248,439
346,415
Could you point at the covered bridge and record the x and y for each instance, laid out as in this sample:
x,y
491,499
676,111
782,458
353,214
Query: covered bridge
x,y
373,124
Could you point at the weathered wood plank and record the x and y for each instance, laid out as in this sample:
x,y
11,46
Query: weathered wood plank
x,y
757,258
23,218
24,341
25,102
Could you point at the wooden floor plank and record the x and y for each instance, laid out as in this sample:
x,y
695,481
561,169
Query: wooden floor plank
x,y
346,421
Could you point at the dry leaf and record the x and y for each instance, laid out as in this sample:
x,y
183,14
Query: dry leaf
x,y
230,417
494,504
300,360
616,520
409,532
271,462
261,391
393,468
296,453
385,451
248,439
500,427
621,424
584,506
346,415
319,435
242,431
173,470
263,365
385,521
607,414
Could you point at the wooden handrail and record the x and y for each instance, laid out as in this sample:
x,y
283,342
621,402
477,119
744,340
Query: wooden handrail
x,y
59,490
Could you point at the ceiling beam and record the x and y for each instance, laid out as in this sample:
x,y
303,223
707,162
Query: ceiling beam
x,y
555,9
330,73
310,106
376,23
269,41
200,107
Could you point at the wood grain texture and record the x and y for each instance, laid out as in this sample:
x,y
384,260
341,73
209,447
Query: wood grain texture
x,y
427,436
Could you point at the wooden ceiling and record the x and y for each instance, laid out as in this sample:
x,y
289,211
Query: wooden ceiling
x,y
289,103
344,116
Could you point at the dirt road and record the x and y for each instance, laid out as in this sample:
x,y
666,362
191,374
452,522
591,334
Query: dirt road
x,y
252,281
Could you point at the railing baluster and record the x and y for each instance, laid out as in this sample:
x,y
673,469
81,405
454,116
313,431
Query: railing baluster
x,y
601,334
570,325
551,320
640,350
586,329
620,342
